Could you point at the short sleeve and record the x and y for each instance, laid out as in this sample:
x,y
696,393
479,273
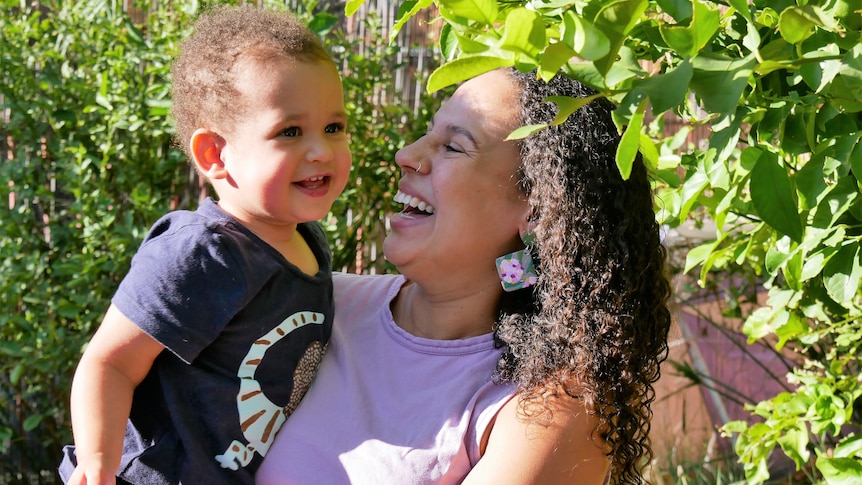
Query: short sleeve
x,y
184,284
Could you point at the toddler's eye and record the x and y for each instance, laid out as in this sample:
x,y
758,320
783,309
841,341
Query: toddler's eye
x,y
334,128
292,131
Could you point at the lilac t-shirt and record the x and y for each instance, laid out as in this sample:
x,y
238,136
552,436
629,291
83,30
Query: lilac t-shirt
x,y
386,406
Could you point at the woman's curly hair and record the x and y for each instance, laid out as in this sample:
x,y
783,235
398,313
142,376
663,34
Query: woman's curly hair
x,y
598,321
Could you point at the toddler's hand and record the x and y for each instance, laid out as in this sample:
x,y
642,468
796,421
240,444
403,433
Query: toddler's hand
x,y
94,475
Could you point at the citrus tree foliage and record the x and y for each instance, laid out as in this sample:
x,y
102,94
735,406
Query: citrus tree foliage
x,y
89,164
779,84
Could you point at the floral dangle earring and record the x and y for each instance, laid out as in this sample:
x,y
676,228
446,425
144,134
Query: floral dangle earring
x,y
516,270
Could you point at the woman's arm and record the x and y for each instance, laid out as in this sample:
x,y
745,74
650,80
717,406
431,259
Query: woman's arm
x,y
564,451
116,360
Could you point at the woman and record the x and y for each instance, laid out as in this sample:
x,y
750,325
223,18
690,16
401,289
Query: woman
x,y
413,388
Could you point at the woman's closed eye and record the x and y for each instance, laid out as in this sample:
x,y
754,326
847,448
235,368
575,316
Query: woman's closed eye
x,y
453,148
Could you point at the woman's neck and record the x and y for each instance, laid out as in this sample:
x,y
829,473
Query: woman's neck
x,y
447,315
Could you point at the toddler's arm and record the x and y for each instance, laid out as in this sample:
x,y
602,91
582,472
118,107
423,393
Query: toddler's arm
x,y
116,360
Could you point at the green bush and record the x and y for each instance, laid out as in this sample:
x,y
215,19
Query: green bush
x,y
89,165
91,168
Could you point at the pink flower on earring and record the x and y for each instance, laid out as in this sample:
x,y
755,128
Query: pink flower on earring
x,y
511,271
516,270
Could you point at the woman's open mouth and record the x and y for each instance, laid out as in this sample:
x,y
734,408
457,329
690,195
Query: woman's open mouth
x,y
413,205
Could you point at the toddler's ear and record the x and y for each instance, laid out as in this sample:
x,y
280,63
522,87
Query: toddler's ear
x,y
206,146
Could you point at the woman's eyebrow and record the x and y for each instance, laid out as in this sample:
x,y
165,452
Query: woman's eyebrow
x,y
460,130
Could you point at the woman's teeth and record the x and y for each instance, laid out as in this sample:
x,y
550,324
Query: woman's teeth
x,y
413,202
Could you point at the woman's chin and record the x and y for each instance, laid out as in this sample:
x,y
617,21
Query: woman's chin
x,y
399,249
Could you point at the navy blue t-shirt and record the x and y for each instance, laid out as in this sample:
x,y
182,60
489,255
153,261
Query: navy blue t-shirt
x,y
244,331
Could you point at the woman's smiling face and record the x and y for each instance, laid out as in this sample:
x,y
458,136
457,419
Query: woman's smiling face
x,y
468,176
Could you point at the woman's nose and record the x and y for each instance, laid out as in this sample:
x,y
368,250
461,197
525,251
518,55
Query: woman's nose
x,y
409,158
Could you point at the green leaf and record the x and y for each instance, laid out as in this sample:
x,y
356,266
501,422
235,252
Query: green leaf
x,y
815,262
794,443
693,186
472,45
847,85
797,23
793,271
566,105
726,130
584,38
719,177
788,325
855,159
352,6
811,183
842,273
757,472
773,197
846,93
462,69
406,11
322,23
689,40
482,11
649,152
524,32
775,259
11,349
741,6
698,255
630,142
667,90
134,34
16,373
32,422
837,201
616,20
819,75
554,58
525,131
758,324
849,447
678,9
719,82
840,471
448,42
